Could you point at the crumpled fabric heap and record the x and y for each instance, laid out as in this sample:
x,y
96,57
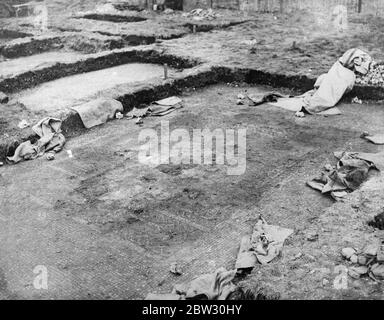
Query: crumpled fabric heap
x,y
212,286
350,172
329,88
51,140
339,80
374,138
263,246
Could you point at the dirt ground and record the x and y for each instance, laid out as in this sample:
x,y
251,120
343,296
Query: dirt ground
x,y
107,226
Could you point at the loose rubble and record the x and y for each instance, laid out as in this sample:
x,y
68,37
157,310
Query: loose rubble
x,y
201,14
374,77
368,261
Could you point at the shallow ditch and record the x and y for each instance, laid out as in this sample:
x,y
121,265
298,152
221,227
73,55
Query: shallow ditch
x,y
112,18
59,70
67,91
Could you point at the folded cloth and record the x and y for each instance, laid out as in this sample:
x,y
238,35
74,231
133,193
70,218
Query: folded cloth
x,y
212,286
25,151
160,110
49,131
376,139
356,60
257,99
51,139
98,111
268,241
171,101
350,172
263,246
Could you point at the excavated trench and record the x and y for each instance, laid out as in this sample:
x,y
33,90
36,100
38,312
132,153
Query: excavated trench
x,y
6,35
112,18
90,63
66,92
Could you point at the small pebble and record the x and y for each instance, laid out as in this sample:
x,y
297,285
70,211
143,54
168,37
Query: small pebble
x,y
353,258
378,271
348,252
50,156
175,269
362,260
371,249
300,114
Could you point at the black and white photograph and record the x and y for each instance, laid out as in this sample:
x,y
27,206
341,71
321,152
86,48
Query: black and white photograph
x,y
192,156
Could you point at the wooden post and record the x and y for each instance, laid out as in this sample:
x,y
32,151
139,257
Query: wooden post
x,y
359,6
165,71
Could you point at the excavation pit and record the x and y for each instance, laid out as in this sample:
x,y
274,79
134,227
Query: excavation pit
x,y
113,18
66,92
12,67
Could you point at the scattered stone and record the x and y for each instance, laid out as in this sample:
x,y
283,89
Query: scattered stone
x,y
69,152
357,272
240,96
357,100
348,252
175,269
23,124
3,98
354,258
362,260
312,236
139,121
328,167
325,282
375,76
380,254
377,271
1,164
300,114
365,134
119,115
371,249
239,102
50,156
298,256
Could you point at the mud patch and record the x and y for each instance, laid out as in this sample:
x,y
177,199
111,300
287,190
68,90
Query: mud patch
x,y
113,18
